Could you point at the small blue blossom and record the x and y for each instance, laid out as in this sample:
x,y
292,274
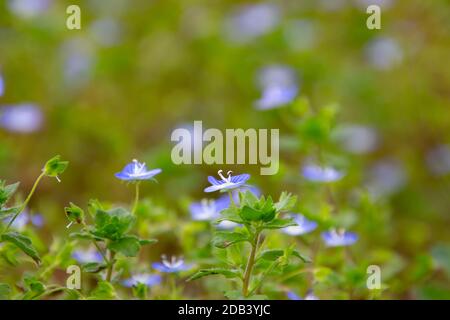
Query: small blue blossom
x,y
279,85
208,209
303,226
148,279
385,178
28,8
171,266
21,118
227,225
339,238
357,139
438,160
251,21
226,184
384,53
24,218
89,255
317,173
293,296
136,171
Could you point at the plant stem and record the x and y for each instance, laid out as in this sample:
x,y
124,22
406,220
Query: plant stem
x,y
110,266
24,204
250,264
136,198
231,199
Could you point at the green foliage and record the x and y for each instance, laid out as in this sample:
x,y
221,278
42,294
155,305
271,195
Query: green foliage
x,y
23,243
55,166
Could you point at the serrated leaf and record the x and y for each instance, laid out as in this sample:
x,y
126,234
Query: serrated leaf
x,y
144,242
23,243
223,239
250,214
129,246
93,267
230,214
302,257
112,224
103,291
286,202
279,223
271,254
207,272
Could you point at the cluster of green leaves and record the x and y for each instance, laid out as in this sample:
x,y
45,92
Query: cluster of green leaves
x,y
109,231
255,215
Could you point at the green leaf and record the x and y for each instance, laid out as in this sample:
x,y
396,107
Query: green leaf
x,y
129,246
8,212
223,239
286,202
103,291
34,285
271,254
94,267
302,257
85,235
55,166
23,243
234,295
74,213
140,291
228,273
250,214
144,242
112,224
5,291
230,214
6,191
279,223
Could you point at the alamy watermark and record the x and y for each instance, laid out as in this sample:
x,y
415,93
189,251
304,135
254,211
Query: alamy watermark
x,y
235,146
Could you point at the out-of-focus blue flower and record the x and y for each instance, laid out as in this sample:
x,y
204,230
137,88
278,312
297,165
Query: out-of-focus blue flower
x,y
317,173
383,53
357,139
226,184
438,160
25,218
2,85
135,171
89,255
303,226
207,209
172,266
21,118
279,85
148,279
252,21
339,238
227,225
293,296
385,178
78,59
383,4
106,31
28,8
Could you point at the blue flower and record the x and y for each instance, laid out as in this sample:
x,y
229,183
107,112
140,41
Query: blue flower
x,y
339,238
384,53
309,296
21,118
276,96
28,8
357,139
89,255
317,173
279,85
303,226
148,279
208,209
171,266
226,184
135,171
227,225
24,218
251,21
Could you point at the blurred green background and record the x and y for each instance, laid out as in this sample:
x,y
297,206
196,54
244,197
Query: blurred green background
x,y
115,90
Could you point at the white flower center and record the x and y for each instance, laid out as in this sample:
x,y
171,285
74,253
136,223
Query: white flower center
x,y
138,168
337,235
226,180
173,263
